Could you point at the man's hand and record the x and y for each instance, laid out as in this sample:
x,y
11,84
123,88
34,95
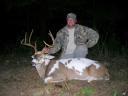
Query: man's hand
x,y
45,50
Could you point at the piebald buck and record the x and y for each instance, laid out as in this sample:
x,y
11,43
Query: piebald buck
x,y
54,71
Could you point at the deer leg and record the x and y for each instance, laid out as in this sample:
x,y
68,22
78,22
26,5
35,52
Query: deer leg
x,y
48,89
67,88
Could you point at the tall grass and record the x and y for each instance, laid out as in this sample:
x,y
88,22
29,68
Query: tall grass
x,y
108,47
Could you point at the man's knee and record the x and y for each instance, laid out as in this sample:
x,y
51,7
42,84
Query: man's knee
x,y
80,51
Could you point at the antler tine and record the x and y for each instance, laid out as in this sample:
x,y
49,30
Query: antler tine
x,y
53,40
30,36
24,41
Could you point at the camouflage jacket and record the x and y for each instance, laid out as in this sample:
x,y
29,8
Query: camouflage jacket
x,y
82,36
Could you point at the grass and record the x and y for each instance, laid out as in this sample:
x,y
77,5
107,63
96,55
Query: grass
x,y
86,91
115,93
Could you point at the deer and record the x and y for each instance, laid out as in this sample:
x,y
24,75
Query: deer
x,y
53,70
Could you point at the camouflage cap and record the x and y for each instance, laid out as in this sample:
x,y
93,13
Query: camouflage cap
x,y
71,15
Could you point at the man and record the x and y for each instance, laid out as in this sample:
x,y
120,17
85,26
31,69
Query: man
x,y
74,39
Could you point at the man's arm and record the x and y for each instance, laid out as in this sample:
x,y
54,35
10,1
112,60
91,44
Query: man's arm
x,y
93,37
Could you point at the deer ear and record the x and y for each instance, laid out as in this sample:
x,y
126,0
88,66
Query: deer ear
x,y
49,56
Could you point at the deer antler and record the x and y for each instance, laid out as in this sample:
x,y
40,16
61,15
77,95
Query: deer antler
x,y
53,40
24,41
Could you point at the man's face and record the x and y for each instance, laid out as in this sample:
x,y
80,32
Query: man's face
x,y
71,22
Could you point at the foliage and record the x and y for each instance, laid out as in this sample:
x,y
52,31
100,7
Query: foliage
x,y
86,91
115,93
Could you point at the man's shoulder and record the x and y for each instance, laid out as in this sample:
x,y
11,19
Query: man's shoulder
x,y
82,26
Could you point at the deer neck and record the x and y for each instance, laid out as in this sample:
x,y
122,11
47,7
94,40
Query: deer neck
x,y
41,68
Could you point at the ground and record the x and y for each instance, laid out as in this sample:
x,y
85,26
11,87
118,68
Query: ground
x,y
19,78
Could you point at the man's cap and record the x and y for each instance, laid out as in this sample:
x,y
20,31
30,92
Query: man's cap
x,y
71,15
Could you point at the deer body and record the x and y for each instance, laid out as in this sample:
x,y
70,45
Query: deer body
x,y
53,71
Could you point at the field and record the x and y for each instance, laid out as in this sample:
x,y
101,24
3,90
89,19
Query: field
x,y
19,78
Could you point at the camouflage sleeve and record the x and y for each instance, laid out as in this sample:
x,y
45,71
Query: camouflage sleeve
x,y
93,37
57,44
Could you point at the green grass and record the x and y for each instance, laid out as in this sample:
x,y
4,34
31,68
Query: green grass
x,y
86,91
116,93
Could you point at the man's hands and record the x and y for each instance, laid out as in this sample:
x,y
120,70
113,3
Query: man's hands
x,y
45,50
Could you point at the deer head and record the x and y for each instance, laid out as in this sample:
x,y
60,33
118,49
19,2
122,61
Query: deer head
x,y
39,57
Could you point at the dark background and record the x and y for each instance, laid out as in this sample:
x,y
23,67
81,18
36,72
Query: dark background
x,y
109,18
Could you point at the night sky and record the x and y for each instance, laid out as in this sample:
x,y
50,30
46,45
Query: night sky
x,y
20,16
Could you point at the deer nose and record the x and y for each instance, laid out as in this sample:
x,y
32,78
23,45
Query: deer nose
x,y
33,64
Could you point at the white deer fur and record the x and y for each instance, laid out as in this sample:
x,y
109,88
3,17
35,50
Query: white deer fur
x,y
53,71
